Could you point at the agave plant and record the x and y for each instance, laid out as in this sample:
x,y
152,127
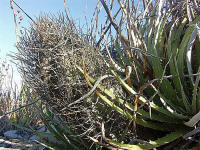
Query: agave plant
x,y
159,60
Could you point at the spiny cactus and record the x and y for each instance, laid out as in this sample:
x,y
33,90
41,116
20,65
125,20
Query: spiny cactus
x,y
51,50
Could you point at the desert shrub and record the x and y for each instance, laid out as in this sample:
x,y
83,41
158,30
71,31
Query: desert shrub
x,y
12,97
51,51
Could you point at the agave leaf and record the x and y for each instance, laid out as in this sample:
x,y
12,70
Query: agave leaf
x,y
49,146
184,98
194,94
161,46
189,53
154,144
174,109
196,56
156,64
182,49
198,100
173,43
126,146
158,117
115,107
155,116
169,138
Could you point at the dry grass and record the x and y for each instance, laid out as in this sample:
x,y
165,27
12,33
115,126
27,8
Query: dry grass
x,y
13,96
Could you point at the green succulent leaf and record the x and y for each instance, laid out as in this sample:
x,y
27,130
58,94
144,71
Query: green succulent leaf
x,y
152,144
173,44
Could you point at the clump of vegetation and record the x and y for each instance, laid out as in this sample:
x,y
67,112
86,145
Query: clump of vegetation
x,y
53,51
146,74
13,97
160,43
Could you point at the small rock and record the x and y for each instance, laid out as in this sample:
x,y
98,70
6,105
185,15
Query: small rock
x,y
12,134
2,143
3,148
2,140
34,137
36,147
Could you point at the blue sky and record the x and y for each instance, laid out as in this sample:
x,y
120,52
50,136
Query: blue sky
x,y
78,10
